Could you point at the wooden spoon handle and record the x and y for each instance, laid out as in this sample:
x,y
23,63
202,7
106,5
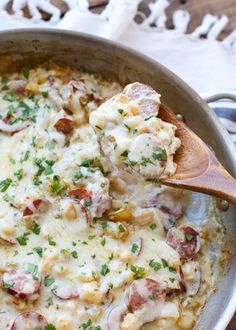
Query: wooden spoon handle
x,y
214,181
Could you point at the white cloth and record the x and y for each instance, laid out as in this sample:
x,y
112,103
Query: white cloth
x,y
205,64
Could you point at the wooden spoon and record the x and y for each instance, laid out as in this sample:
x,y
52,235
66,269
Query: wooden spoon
x,y
197,167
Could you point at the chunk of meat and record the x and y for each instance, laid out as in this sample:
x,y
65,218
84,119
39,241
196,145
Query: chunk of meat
x,y
51,80
147,156
6,241
170,216
147,99
80,194
17,86
78,99
144,301
100,204
185,240
190,273
167,202
7,119
64,125
22,283
115,316
77,90
7,128
143,290
29,321
83,197
65,291
93,202
37,206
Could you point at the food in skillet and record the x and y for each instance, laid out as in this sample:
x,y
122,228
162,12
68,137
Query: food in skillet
x,y
89,239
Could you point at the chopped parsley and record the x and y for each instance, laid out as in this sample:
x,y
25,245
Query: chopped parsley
x,y
51,145
4,185
38,250
25,72
146,161
87,163
128,128
188,237
155,265
147,118
48,170
77,176
153,226
56,185
48,281
172,270
104,224
120,111
19,174
7,285
23,239
45,94
104,270
138,271
74,254
124,153
87,202
134,247
36,228
121,228
15,253
7,198
89,326
103,241
50,301
159,154
33,269
164,263
132,162
10,97
50,326
25,157
51,241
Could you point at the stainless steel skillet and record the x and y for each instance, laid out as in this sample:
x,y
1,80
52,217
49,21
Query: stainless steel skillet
x,y
31,47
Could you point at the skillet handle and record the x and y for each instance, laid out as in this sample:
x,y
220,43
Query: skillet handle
x,y
215,95
219,94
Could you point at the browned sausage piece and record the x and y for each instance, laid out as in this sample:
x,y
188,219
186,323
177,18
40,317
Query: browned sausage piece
x,y
64,125
29,321
143,290
66,292
38,205
147,98
185,240
21,283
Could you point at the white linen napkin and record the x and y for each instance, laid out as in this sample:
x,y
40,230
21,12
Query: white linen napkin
x,y
205,64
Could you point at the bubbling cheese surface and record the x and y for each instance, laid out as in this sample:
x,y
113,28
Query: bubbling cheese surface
x,y
88,239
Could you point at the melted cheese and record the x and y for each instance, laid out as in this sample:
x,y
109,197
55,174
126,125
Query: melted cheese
x,y
85,251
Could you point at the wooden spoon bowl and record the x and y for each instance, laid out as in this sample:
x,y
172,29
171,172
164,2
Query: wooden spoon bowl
x,y
197,167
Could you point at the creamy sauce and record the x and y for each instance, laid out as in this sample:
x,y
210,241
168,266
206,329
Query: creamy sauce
x,y
86,232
